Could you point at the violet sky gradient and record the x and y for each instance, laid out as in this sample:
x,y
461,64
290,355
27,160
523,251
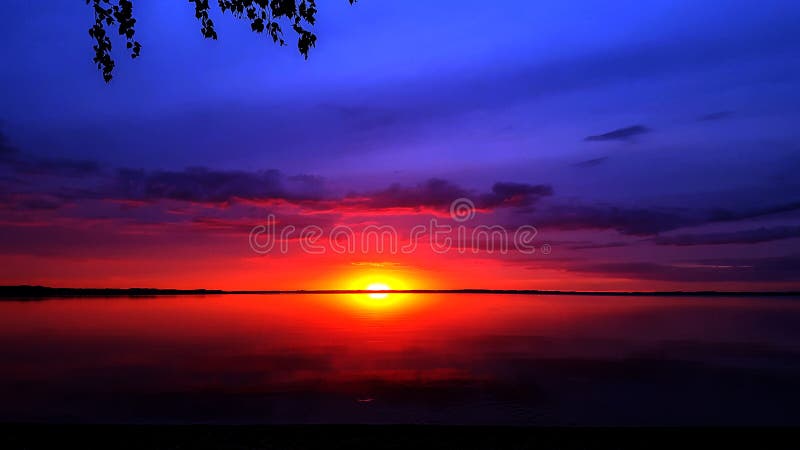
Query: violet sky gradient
x,y
653,144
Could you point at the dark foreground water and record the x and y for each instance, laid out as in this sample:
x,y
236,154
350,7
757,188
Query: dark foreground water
x,y
407,358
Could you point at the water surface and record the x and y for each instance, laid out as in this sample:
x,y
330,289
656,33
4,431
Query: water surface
x,y
407,358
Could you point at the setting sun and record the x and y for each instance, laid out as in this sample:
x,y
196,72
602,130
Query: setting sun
x,y
378,287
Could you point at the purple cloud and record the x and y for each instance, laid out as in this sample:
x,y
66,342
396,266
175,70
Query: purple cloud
x,y
621,134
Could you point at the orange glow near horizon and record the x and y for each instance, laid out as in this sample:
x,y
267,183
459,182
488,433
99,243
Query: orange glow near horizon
x,y
378,279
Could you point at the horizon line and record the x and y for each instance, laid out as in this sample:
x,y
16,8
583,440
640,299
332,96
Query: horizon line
x,y
38,291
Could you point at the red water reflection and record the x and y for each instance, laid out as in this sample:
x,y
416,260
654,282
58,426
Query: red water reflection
x,y
404,358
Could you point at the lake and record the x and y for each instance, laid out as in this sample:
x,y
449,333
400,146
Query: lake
x,y
404,358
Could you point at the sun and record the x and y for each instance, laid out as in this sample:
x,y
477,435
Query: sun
x,y
378,287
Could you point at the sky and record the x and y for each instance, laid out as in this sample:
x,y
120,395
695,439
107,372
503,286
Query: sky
x,y
652,145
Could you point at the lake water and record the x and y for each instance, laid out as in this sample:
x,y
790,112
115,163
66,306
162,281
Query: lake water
x,y
406,358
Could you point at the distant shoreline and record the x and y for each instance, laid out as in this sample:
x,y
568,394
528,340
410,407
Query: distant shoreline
x,y
38,292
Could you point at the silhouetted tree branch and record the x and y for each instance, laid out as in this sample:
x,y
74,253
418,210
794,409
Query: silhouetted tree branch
x,y
264,16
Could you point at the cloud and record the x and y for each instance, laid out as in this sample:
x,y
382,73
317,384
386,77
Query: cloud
x,y
30,201
719,115
82,180
86,180
6,149
597,245
621,134
43,183
21,164
514,194
727,215
39,202
363,118
650,221
437,193
736,237
204,185
784,268
629,221
57,167
434,193
591,162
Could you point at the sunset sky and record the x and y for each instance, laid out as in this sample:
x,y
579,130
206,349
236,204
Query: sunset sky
x,y
654,145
